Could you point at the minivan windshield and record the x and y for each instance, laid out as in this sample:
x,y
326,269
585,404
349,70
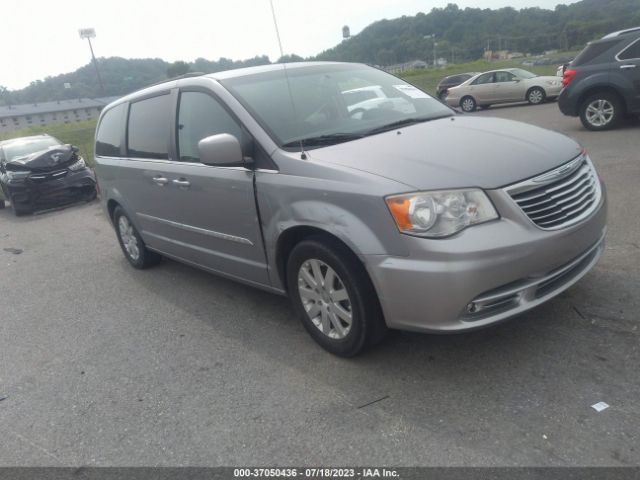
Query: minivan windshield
x,y
321,105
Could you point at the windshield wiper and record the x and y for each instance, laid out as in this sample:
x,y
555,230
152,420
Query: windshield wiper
x,y
403,123
321,140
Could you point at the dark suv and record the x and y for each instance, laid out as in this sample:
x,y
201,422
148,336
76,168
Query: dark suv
x,y
602,84
452,81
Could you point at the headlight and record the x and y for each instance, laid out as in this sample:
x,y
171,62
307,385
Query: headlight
x,y
79,165
440,213
16,175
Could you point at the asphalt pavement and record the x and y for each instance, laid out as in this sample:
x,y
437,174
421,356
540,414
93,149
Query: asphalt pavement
x,y
104,365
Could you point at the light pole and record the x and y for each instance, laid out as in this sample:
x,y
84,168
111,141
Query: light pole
x,y
90,33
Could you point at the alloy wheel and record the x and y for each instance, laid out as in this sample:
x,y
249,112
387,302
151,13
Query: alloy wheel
x,y
536,96
468,105
325,299
128,237
600,113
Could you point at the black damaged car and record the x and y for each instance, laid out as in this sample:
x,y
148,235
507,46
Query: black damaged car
x,y
41,172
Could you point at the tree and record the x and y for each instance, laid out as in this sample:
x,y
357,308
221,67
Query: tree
x,y
177,68
290,58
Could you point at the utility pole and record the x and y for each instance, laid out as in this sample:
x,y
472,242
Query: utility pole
x,y
435,59
432,37
90,33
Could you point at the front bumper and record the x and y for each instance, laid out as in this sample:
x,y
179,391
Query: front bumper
x,y
35,192
486,273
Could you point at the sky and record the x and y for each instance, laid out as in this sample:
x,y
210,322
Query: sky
x,y
40,37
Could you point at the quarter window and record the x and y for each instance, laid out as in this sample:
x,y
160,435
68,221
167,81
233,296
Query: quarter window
x,y
201,116
632,52
110,132
149,128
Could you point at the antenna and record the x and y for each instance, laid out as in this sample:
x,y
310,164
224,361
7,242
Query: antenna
x,y
303,155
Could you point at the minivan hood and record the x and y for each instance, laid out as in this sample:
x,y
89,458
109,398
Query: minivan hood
x,y
455,152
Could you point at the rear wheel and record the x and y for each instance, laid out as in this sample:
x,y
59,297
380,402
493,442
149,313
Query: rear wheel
x,y
601,111
333,295
132,245
468,104
536,96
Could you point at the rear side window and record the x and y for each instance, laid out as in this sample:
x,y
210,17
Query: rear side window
x,y
592,51
632,52
201,116
148,133
109,134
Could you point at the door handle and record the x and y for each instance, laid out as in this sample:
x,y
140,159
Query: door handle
x,y
182,182
160,181
627,66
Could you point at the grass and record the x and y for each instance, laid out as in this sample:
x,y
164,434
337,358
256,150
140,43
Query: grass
x,y
79,134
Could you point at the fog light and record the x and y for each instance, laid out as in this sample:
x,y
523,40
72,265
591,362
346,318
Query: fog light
x,y
472,308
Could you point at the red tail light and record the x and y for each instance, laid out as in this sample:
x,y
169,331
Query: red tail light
x,y
569,73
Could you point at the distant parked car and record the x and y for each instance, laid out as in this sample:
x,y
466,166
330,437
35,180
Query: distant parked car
x,y
602,84
41,172
503,86
452,81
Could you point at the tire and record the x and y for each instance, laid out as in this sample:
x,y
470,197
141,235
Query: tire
x,y
134,249
353,295
536,96
601,111
91,195
18,211
468,104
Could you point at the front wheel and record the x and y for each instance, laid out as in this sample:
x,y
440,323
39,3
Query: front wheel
x,y
536,96
601,111
17,210
468,104
134,249
333,295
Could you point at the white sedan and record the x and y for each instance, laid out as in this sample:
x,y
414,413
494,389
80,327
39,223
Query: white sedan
x,y
503,86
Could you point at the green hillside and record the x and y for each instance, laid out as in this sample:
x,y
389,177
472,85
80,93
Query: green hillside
x,y
461,34
466,33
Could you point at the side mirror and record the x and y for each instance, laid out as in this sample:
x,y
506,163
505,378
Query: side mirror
x,y
221,150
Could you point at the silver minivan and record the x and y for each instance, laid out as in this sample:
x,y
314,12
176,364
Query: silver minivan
x,y
400,214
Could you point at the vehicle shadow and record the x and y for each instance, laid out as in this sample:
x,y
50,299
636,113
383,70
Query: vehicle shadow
x,y
6,214
536,345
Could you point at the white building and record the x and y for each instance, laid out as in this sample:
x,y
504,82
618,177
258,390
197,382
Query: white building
x,y
18,117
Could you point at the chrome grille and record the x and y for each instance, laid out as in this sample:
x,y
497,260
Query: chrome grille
x,y
560,198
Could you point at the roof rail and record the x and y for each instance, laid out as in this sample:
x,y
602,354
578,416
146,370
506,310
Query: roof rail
x,y
179,77
622,32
